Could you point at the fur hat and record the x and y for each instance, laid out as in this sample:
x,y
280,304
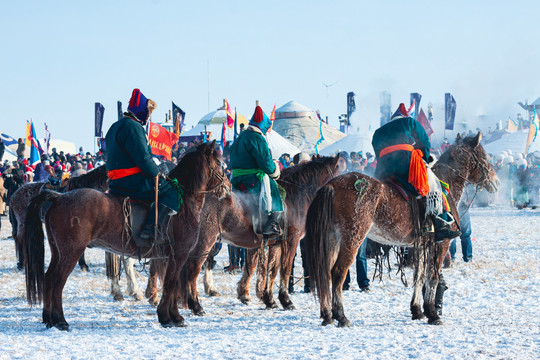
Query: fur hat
x,y
260,120
400,113
140,106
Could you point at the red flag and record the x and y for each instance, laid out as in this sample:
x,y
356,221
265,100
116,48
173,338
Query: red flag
x,y
230,119
161,140
422,119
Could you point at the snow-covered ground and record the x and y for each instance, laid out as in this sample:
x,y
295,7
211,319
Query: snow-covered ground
x,y
491,311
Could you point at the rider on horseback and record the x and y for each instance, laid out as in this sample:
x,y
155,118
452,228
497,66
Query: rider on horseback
x,y
402,150
130,165
253,171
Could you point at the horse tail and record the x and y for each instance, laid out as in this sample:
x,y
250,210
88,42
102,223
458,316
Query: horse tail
x,y
33,246
113,266
319,249
14,223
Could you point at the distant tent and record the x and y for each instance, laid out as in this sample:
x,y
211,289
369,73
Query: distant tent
x,y
350,143
300,125
515,141
279,145
214,124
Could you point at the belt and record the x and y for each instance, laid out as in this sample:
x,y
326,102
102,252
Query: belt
x,y
121,173
392,148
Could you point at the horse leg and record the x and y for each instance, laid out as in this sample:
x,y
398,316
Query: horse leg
x,y
167,309
82,263
434,268
190,272
151,287
288,252
209,287
55,280
419,281
252,256
112,264
339,273
271,272
132,285
47,290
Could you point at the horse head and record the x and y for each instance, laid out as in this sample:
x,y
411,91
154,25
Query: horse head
x,y
478,168
200,171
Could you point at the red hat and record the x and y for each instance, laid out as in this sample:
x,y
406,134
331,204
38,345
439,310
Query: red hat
x,y
401,112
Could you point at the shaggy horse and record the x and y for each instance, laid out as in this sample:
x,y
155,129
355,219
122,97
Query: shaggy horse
x,y
18,203
231,216
99,220
354,205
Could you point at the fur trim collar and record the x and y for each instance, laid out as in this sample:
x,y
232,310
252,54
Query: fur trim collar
x,y
254,128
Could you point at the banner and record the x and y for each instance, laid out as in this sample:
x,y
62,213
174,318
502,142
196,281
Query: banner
x,y
415,105
47,139
178,118
223,138
533,131
34,146
235,124
161,140
351,106
99,111
449,111
230,120
272,118
385,107
119,109
422,119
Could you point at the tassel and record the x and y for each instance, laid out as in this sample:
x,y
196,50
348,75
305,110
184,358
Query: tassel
x,y
418,173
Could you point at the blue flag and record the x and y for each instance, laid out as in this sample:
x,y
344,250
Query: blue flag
x,y
178,118
235,124
34,146
99,111
449,111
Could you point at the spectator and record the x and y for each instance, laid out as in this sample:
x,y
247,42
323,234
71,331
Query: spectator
x,y
465,224
21,148
2,149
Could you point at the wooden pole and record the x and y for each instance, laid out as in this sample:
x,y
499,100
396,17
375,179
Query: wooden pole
x,y
156,205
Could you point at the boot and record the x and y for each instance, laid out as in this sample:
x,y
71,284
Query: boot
x,y
147,232
443,229
272,226
439,294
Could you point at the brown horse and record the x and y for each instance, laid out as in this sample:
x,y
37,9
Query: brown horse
x,y
88,217
231,216
354,205
18,203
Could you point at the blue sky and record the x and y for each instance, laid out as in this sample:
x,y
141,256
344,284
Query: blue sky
x,y
60,57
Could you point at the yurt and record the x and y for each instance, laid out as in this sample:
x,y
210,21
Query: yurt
x,y
353,142
300,125
515,141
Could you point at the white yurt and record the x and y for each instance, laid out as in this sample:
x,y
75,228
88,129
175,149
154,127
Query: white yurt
x,y
279,145
300,125
515,141
353,142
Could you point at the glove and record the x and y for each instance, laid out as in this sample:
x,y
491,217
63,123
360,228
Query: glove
x,y
431,160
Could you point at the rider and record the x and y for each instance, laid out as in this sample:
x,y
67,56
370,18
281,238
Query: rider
x,y
131,167
254,170
402,150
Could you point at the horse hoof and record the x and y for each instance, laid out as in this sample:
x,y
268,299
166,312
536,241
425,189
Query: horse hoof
x,y
344,323
62,326
153,301
200,312
179,323
85,268
271,306
138,297
327,322
436,322
289,306
418,316
213,293
118,297
245,300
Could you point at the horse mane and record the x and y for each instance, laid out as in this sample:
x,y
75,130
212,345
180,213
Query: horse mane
x,y
96,179
191,172
302,181
452,156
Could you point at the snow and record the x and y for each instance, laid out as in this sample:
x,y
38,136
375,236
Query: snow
x,y
491,311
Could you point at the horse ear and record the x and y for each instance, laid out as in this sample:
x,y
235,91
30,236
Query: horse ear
x,y
458,137
477,139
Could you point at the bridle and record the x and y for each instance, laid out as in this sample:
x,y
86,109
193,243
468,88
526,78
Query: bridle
x,y
220,183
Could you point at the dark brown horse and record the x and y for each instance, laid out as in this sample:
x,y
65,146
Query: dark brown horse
x,y
354,205
232,217
19,201
97,219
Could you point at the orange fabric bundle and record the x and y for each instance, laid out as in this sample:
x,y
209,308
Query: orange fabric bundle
x,y
418,173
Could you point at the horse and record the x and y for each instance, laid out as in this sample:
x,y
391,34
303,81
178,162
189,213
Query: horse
x,y
353,206
231,216
99,220
18,203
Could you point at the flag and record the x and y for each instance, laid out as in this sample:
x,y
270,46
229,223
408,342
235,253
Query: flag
x,y
119,109
34,146
230,120
415,105
235,124
512,126
178,118
223,139
47,139
9,142
320,140
422,119
449,111
99,111
27,139
351,106
161,140
533,131
385,107
272,118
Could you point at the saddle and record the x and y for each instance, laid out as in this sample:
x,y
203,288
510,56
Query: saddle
x,y
422,224
136,212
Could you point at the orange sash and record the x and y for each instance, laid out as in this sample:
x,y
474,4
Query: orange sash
x,y
417,167
120,173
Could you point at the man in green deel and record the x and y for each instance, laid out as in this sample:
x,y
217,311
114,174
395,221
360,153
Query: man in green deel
x,y
254,172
